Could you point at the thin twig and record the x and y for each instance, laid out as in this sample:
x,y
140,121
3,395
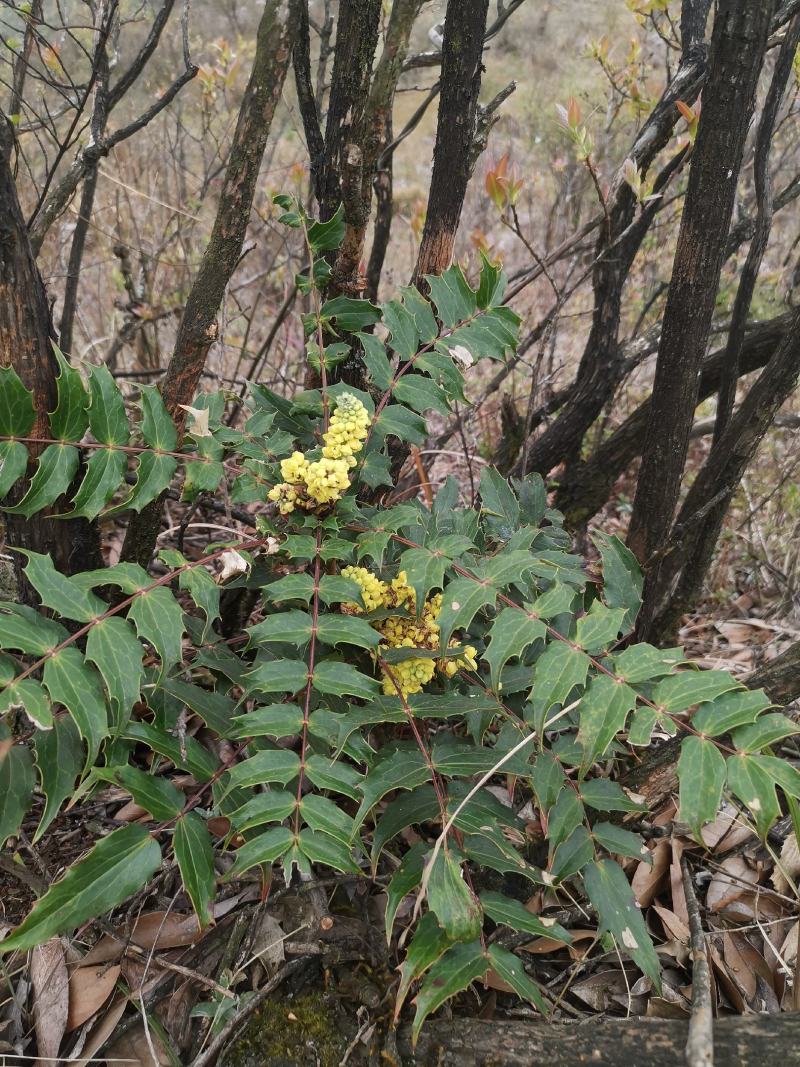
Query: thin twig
x,y
700,1043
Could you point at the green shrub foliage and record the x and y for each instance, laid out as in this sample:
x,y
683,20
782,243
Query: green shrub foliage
x,y
400,660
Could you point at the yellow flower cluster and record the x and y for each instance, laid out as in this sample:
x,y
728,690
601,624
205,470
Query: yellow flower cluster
x,y
373,590
401,631
310,485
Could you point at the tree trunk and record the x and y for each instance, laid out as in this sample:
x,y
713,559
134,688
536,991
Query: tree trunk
x,y
738,45
26,333
198,327
588,485
462,50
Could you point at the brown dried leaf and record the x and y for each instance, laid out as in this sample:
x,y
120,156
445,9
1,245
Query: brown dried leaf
x,y
157,930
89,989
133,1050
102,1030
729,885
50,983
738,966
790,865
648,877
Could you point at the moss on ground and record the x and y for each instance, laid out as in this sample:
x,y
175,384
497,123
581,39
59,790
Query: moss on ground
x,y
290,1032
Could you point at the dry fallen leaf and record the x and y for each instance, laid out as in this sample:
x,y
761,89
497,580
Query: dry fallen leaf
x,y
156,929
790,865
50,983
132,1049
648,876
102,1030
729,885
89,989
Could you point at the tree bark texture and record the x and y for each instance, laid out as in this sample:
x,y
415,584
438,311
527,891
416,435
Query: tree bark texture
x,y
588,485
620,239
681,571
737,52
745,1042
26,334
198,326
462,49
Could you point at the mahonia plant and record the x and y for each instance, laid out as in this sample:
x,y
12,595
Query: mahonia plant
x,y
401,661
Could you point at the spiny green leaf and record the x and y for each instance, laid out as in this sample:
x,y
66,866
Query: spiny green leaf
x,y
510,912
158,619
426,946
340,679
557,600
605,795
293,587
17,412
278,676
732,709
270,765
765,731
323,815
59,758
424,571
71,682
273,806
407,877
271,720
13,463
402,328
564,817
334,775
31,697
451,900
155,794
376,361
622,578
195,856
107,419
104,475
322,848
462,599
451,294
599,628
509,968
53,477
511,633
60,593
69,420
453,973
640,663
421,393
213,707
680,691
572,855
187,753
559,669
609,892
401,769
158,429
621,842
113,647
781,771
17,780
701,773
110,874
266,848
603,712
755,787
407,809
153,475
